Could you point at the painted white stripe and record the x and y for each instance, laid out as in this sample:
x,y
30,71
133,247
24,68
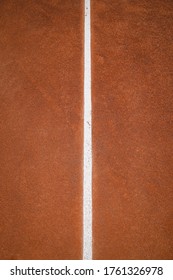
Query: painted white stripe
x,y
87,181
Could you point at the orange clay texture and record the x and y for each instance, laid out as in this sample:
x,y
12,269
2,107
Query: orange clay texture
x,y
41,108
132,89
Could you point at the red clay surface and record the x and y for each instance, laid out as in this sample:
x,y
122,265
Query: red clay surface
x,y
41,141
132,129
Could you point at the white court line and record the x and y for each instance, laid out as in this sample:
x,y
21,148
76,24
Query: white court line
x,y
87,180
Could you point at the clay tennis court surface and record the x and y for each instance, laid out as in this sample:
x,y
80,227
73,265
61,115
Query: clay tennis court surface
x,y
41,129
41,53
